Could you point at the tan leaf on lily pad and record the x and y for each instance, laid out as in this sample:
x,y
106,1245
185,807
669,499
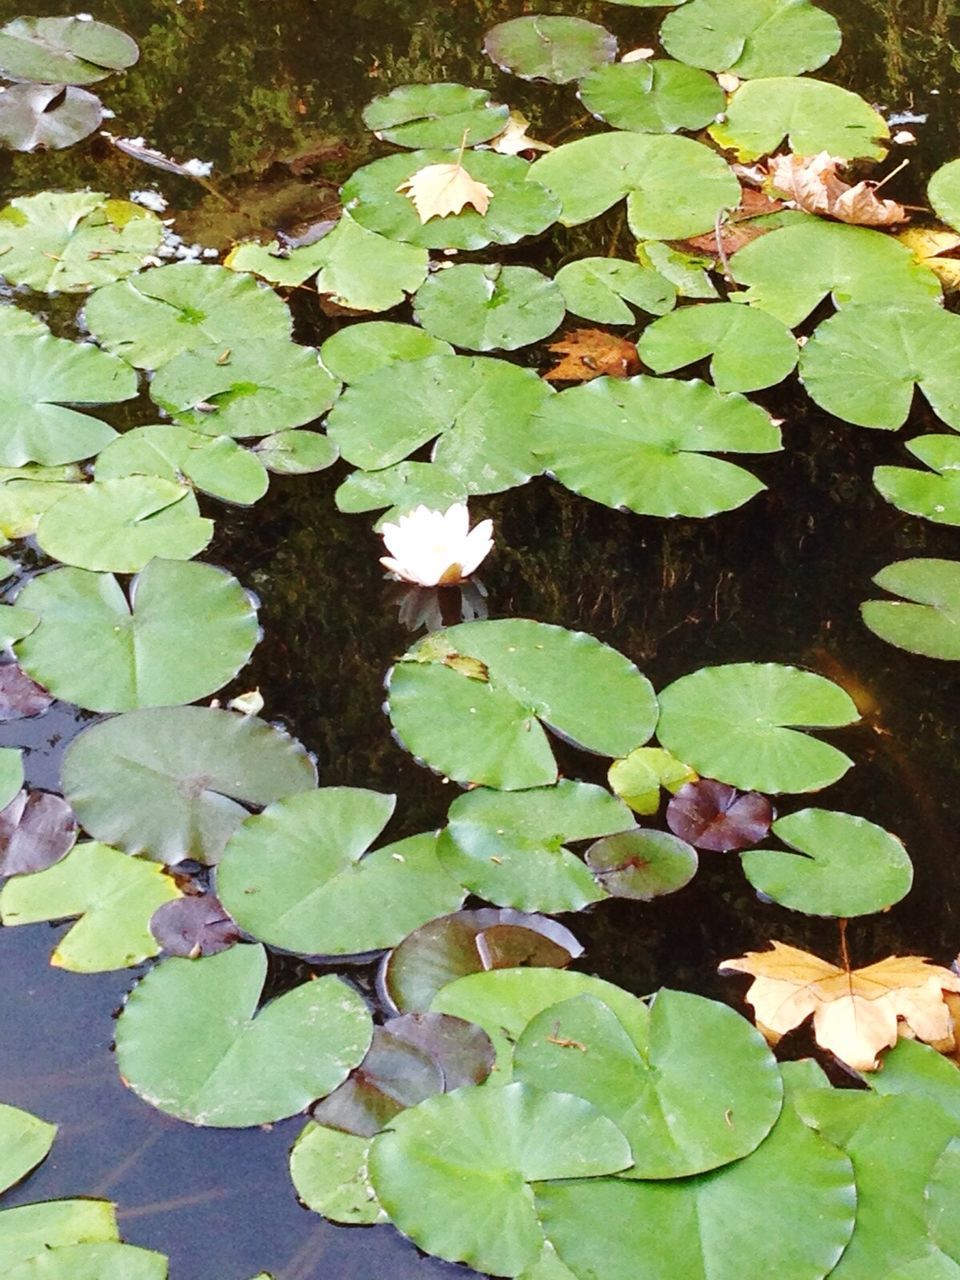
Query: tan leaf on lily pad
x,y
933,246
815,185
441,189
856,1013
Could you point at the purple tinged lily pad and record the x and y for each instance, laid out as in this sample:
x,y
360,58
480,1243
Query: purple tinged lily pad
x,y
47,115
37,829
642,864
20,697
194,927
712,815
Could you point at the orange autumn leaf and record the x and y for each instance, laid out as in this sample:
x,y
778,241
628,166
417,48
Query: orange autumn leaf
x,y
441,189
592,353
815,185
856,1013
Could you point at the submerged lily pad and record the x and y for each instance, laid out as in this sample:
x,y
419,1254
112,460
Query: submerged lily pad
x,y
173,782
752,37
50,116
749,349
642,864
185,631
808,116
933,494
435,115
25,1140
359,349
469,701
63,50
927,619
713,816
406,485
555,48
489,307
191,1042
640,443
218,466
600,288
739,723
658,96
329,1171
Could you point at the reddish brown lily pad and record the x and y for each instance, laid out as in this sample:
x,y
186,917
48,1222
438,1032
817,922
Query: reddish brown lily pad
x,y
37,829
20,697
194,926
712,815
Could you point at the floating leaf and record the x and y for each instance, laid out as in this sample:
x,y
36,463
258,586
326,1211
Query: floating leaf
x,y
63,50
25,1141
359,349
37,829
20,697
15,624
172,782
48,116
406,484
739,723
114,895
72,241
509,848
435,115
658,96
30,1230
296,453
927,620
14,321
11,774
935,248
191,1042
687,272
933,494
489,307
642,864
751,38
600,288
23,502
712,815
944,192
638,777
592,353
641,444
185,631
440,190
488,731
814,185
299,875
942,1195
87,1261
917,1069
118,526
193,926
809,115
454,1172
217,466
749,349
558,49
329,1171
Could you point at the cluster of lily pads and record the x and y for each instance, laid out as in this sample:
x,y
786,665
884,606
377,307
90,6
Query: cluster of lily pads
x,y
505,1111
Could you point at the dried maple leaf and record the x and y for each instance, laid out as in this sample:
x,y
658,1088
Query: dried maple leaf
x,y
933,246
740,227
814,184
441,189
515,139
592,353
856,1012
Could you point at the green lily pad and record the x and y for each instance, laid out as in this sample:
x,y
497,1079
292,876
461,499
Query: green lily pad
x,y
675,187
406,485
477,410
942,1195
218,466
255,388
185,631
358,349
173,782
296,453
943,191
740,723
329,1171
600,288
108,1261
518,208
489,307
63,50
648,1078
548,1266
454,1173
28,491
47,116
639,777
14,625
39,378
658,96
299,876
919,1070
640,443
155,315
791,270
808,116
478,720
25,1141
751,38
14,320
117,526
191,1042
354,266
11,768
509,848
435,115
72,241
749,349
31,1229
687,272
933,494
642,864
555,48
847,866
862,364
927,619
114,896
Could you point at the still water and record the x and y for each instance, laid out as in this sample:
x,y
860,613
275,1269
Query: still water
x,y
271,93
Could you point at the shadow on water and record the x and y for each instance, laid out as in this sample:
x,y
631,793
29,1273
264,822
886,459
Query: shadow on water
x,y
271,93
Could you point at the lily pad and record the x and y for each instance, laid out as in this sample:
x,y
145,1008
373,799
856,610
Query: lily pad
x,y
114,895
642,864
454,1172
185,631
518,208
477,410
218,466
155,315
23,502
509,848
687,272
751,38
20,697
72,241
37,829
927,619
89,1261
191,1042
675,187
713,816
359,349
749,349
173,782
406,485
933,494
435,115
30,1230
25,1141
63,50
640,443
944,193
39,378
846,865
600,288
489,307
555,48
51,116
329,1171
15,320
740,723
808,116
11,774
639,776
117,526
918,1069
296,453
193,926
942,1195
299,875
478,720
658,96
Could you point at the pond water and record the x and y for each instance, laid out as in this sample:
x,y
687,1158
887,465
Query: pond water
x,y
271,94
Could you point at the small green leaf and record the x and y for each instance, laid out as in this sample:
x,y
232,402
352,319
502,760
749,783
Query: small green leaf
x,y
329,1171
927,619
435,115
652,97
489,307
933,494
25,1140
749,349
600,288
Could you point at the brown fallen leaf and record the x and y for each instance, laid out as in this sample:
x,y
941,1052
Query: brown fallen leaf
x,y
592,353
935,247
740,226
441,189
515,138
815,185
856,1013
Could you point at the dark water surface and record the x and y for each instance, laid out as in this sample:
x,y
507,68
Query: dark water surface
x,y
271,92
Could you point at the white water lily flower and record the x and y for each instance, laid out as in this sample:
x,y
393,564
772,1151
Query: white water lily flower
x,y
436,548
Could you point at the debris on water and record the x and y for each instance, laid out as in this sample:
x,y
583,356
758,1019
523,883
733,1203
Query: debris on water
x,y
152,200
